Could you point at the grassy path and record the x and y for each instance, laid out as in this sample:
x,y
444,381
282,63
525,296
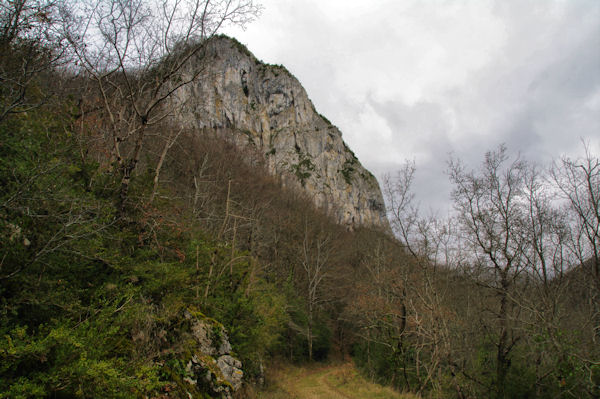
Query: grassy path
x,y
332,381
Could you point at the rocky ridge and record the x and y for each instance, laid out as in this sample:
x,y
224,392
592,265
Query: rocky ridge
x,y
266,107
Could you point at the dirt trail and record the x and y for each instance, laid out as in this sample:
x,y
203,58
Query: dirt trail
x,y
332,389
331,381
313,384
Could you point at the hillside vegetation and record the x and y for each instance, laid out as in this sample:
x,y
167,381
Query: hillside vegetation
x,y
124,238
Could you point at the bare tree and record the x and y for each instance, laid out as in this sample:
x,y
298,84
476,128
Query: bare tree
x,y
135,52
169,142
316,253
402,211
578,181
30,45
522,291
489,210
431,242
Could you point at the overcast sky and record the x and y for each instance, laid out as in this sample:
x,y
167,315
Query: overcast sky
x,y
418,80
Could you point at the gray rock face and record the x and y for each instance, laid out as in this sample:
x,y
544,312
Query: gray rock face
x,y
212,340
264,106
212,365
232,370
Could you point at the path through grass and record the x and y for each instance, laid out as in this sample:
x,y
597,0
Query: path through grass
x,y
331,381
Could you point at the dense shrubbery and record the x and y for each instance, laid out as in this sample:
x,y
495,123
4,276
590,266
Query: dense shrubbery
x,y
84,293
88,291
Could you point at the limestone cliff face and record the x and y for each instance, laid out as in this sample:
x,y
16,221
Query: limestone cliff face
x,y
266,107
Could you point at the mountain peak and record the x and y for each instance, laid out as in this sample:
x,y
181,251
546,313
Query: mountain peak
x,y
264,106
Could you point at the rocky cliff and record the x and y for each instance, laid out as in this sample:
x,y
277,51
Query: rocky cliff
x,y
265,106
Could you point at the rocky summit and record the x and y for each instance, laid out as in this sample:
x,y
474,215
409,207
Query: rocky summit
x,y
264,106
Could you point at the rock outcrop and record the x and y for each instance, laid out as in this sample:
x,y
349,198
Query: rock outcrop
x,y
264,106
211,367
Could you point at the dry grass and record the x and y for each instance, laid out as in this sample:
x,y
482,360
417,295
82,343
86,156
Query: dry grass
x,y
331,381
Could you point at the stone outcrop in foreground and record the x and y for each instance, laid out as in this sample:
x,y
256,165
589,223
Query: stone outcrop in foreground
x,y
264,106
211,366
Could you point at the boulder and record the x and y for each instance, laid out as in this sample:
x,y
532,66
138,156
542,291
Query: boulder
x,y
212,365
232,370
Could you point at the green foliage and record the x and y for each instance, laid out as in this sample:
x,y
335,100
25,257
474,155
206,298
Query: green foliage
x,y
89,359
304,168
326,120
90,303
254,319
249,136
348,150
348,170
394,365
236,44
322,338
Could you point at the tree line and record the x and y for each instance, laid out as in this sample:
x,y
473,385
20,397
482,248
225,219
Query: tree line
x,y
507,299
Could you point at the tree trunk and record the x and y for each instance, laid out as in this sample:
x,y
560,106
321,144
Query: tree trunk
x,y
502,360
168,144
309,335
127,170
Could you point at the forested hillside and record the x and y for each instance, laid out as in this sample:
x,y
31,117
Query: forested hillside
x,y
143,258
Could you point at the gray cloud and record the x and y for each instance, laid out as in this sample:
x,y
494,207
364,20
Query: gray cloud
x,y
418,80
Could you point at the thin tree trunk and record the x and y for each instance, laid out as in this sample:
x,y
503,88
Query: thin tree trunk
x,y
168,144
502,353
210,273
225,219
197,273
309,335
128,169
232,252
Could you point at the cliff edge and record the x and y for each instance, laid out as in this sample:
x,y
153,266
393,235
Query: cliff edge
x,y
265,106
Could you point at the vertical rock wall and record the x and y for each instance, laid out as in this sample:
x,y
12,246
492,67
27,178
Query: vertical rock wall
x,y
266,107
